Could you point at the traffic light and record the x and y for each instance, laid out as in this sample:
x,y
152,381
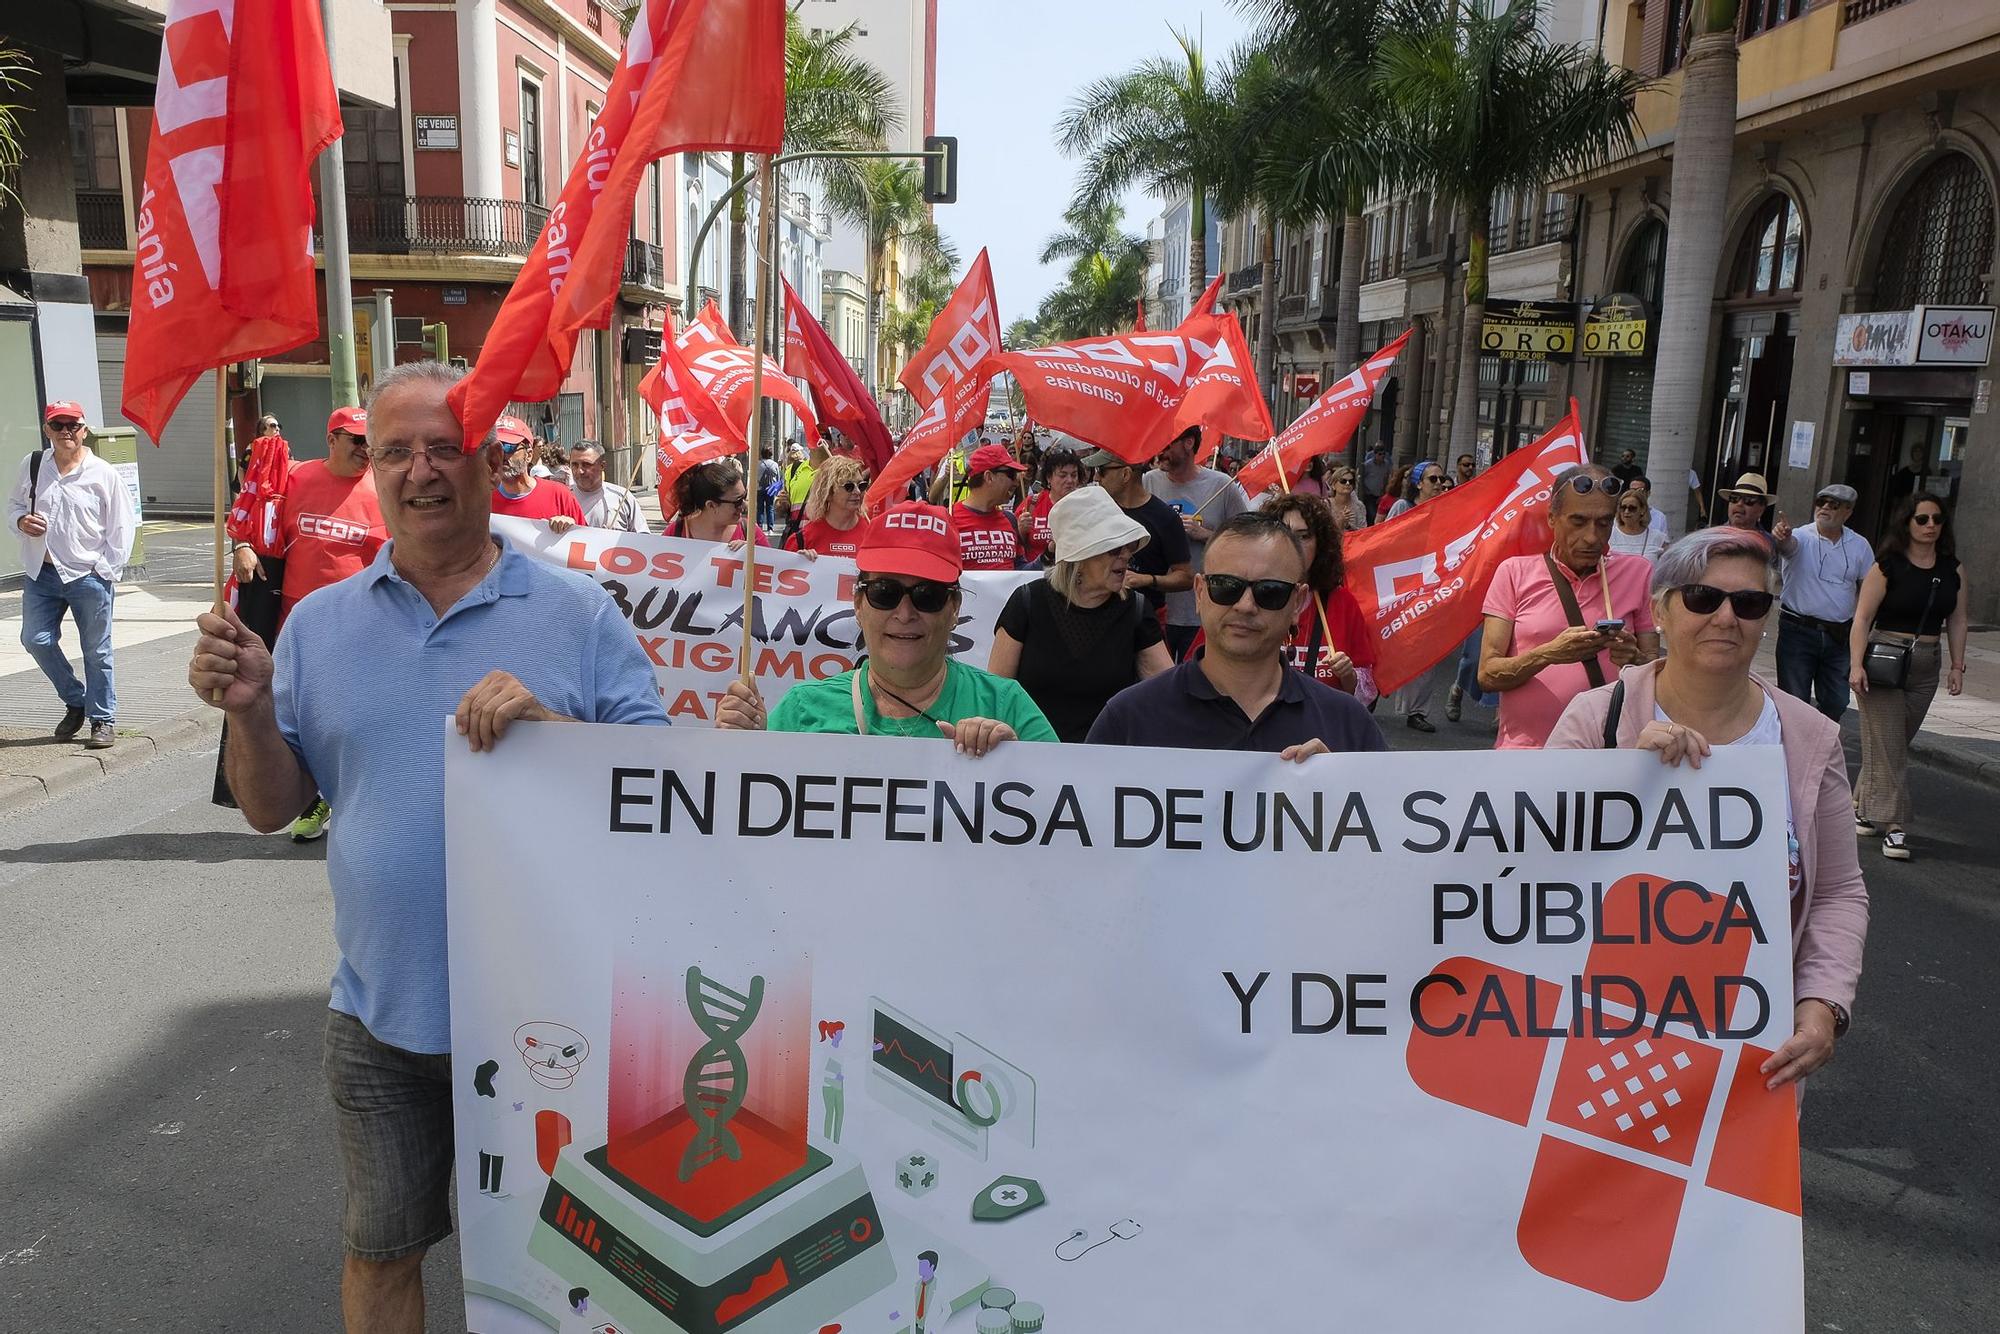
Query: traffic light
x,y
436,346
941,171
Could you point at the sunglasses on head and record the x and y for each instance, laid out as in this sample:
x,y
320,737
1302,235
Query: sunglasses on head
x,y
1226,590
1926,520
1749,604
926,595
1583,484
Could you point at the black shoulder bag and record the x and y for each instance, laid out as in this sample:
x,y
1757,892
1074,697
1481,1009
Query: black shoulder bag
x,y
34,476
1567,594
1887,662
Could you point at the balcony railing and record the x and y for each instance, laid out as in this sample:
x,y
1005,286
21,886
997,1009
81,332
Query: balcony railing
x,y
100,219
645,266
1858,10
400,225
1245,279
1291,307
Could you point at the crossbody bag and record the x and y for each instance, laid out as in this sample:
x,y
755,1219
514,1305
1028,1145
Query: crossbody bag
x,y
1887,661
1567,595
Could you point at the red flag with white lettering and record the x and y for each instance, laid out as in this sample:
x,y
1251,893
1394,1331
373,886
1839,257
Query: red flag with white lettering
x,y
837,392
1420,578
1133,393
943,424
1205,303
724,368
948,378
695,76
224,270
693,427
1324,427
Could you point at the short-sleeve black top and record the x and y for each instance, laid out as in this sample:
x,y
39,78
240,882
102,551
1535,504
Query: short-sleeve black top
x,y
1073,660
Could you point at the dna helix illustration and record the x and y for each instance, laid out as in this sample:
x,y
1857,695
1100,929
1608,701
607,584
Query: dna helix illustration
x,y
717,1080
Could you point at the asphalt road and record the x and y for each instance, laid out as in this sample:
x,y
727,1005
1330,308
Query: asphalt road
x,y
167,1161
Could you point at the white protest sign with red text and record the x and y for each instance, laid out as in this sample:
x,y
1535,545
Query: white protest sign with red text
x,y
1420,578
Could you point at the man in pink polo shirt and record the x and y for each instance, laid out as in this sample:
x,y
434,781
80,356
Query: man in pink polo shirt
x,y
1540,648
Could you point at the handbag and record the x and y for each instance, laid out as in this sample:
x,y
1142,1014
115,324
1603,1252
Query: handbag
x,y
1887,661
1592,669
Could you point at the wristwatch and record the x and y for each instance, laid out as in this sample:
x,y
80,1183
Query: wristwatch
x,y
1840,1019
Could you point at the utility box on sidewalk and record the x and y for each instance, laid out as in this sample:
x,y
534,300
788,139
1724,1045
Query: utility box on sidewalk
x,y
119,447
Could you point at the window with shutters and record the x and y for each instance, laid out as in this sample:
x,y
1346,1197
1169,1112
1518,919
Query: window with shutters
x,y
1939,241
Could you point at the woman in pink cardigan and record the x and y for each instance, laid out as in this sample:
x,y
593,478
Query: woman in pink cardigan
x,y
1713,592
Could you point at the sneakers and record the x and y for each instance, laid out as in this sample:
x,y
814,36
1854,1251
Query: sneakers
x,y
71,724
1867,828
103,736
1894,847
312,824
1453,702
1421,723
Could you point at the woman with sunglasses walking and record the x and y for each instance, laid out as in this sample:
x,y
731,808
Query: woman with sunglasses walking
x,y
1912,603
907,603
1714,592
1075,637
833,524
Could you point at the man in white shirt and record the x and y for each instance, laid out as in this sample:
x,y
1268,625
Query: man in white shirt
x,y
75,523
605,504
1823,567
1206,499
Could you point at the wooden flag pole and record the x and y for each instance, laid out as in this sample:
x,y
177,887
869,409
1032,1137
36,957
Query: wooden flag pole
x,y
767,260
221,488
1319,603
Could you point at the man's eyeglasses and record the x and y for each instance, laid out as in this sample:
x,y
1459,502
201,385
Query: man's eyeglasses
x,y
1749,604
1748,498
398,458
65,426
927,595
1829,503
1226,590
510,449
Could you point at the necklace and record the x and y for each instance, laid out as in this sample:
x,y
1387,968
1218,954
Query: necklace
x,y
931,691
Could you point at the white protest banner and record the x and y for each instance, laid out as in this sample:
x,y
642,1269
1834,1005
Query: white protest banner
x,y
684,600
802,1033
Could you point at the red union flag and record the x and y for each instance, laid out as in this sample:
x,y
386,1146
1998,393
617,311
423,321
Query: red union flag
x,y
224,271
837,392
1420,578
1133,393
693,427
943,424
964,334
1205,303
724,367
1324,427
696,76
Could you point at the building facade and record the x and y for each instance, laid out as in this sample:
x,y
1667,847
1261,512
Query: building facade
x,y
1851,331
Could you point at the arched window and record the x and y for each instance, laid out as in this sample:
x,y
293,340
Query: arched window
x,y
1940,239
1770,259
1643,273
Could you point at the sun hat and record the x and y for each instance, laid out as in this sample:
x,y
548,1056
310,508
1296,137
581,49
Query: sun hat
x,y
915,540
1088,522
1750,486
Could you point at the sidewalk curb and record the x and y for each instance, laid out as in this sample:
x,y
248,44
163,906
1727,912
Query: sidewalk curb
x,y
193,730
1943,753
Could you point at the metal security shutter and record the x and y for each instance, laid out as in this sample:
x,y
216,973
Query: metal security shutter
x,y
1628,409
175,477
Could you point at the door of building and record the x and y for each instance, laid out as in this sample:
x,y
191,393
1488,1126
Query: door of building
x,y
1750,420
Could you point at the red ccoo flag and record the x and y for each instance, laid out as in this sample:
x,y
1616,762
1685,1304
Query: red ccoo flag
x,y
1133,393
1205,303
1420,578
1324,427
837,393
724,367
948,379
696,76
693,427
224,270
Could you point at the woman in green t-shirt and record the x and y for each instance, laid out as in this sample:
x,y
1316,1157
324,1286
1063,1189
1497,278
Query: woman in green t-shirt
x,y
907,603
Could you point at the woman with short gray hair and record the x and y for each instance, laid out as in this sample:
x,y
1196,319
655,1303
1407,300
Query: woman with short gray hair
x,y
1713,594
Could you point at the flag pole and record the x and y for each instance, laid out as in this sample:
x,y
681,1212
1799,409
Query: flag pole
x,y
1319,603
766,255
221,487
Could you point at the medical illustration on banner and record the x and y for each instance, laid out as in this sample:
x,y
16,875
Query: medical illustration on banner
x,y
729,1083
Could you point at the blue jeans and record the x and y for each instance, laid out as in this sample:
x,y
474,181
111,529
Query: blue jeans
x,y
1812,664
767,509
88,600
1467,679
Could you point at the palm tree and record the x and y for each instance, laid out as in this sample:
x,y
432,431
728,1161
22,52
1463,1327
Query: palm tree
x,y
1704,143
1482,104
886,200
1106,276
1163,125
14,65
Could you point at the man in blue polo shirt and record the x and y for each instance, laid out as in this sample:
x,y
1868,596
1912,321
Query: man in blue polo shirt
x,y
1238,693
445,623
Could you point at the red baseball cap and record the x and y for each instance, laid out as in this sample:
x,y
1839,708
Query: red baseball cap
x,y
62,407
512,430
986,458
354,421
912,539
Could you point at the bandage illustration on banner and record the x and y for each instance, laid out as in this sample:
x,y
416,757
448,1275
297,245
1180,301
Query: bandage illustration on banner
x,y
1646,1051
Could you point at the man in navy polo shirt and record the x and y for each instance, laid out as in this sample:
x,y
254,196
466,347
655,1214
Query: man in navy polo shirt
x,y
445,622
1239,694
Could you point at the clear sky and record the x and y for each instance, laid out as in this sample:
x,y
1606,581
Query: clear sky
x,y
1006,71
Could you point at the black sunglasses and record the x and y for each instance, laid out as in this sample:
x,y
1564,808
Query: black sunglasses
x,y
1226,590
851,487
1926,520
926,595
511,450
1749,604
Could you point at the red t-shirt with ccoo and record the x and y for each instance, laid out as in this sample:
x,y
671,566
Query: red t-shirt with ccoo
x,y
824,538
332,528
546,501
985,541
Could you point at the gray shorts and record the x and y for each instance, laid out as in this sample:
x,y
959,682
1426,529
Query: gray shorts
x,y
393,1112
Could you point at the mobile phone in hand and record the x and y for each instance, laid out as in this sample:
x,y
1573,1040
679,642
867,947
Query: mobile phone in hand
x,y
1610,627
